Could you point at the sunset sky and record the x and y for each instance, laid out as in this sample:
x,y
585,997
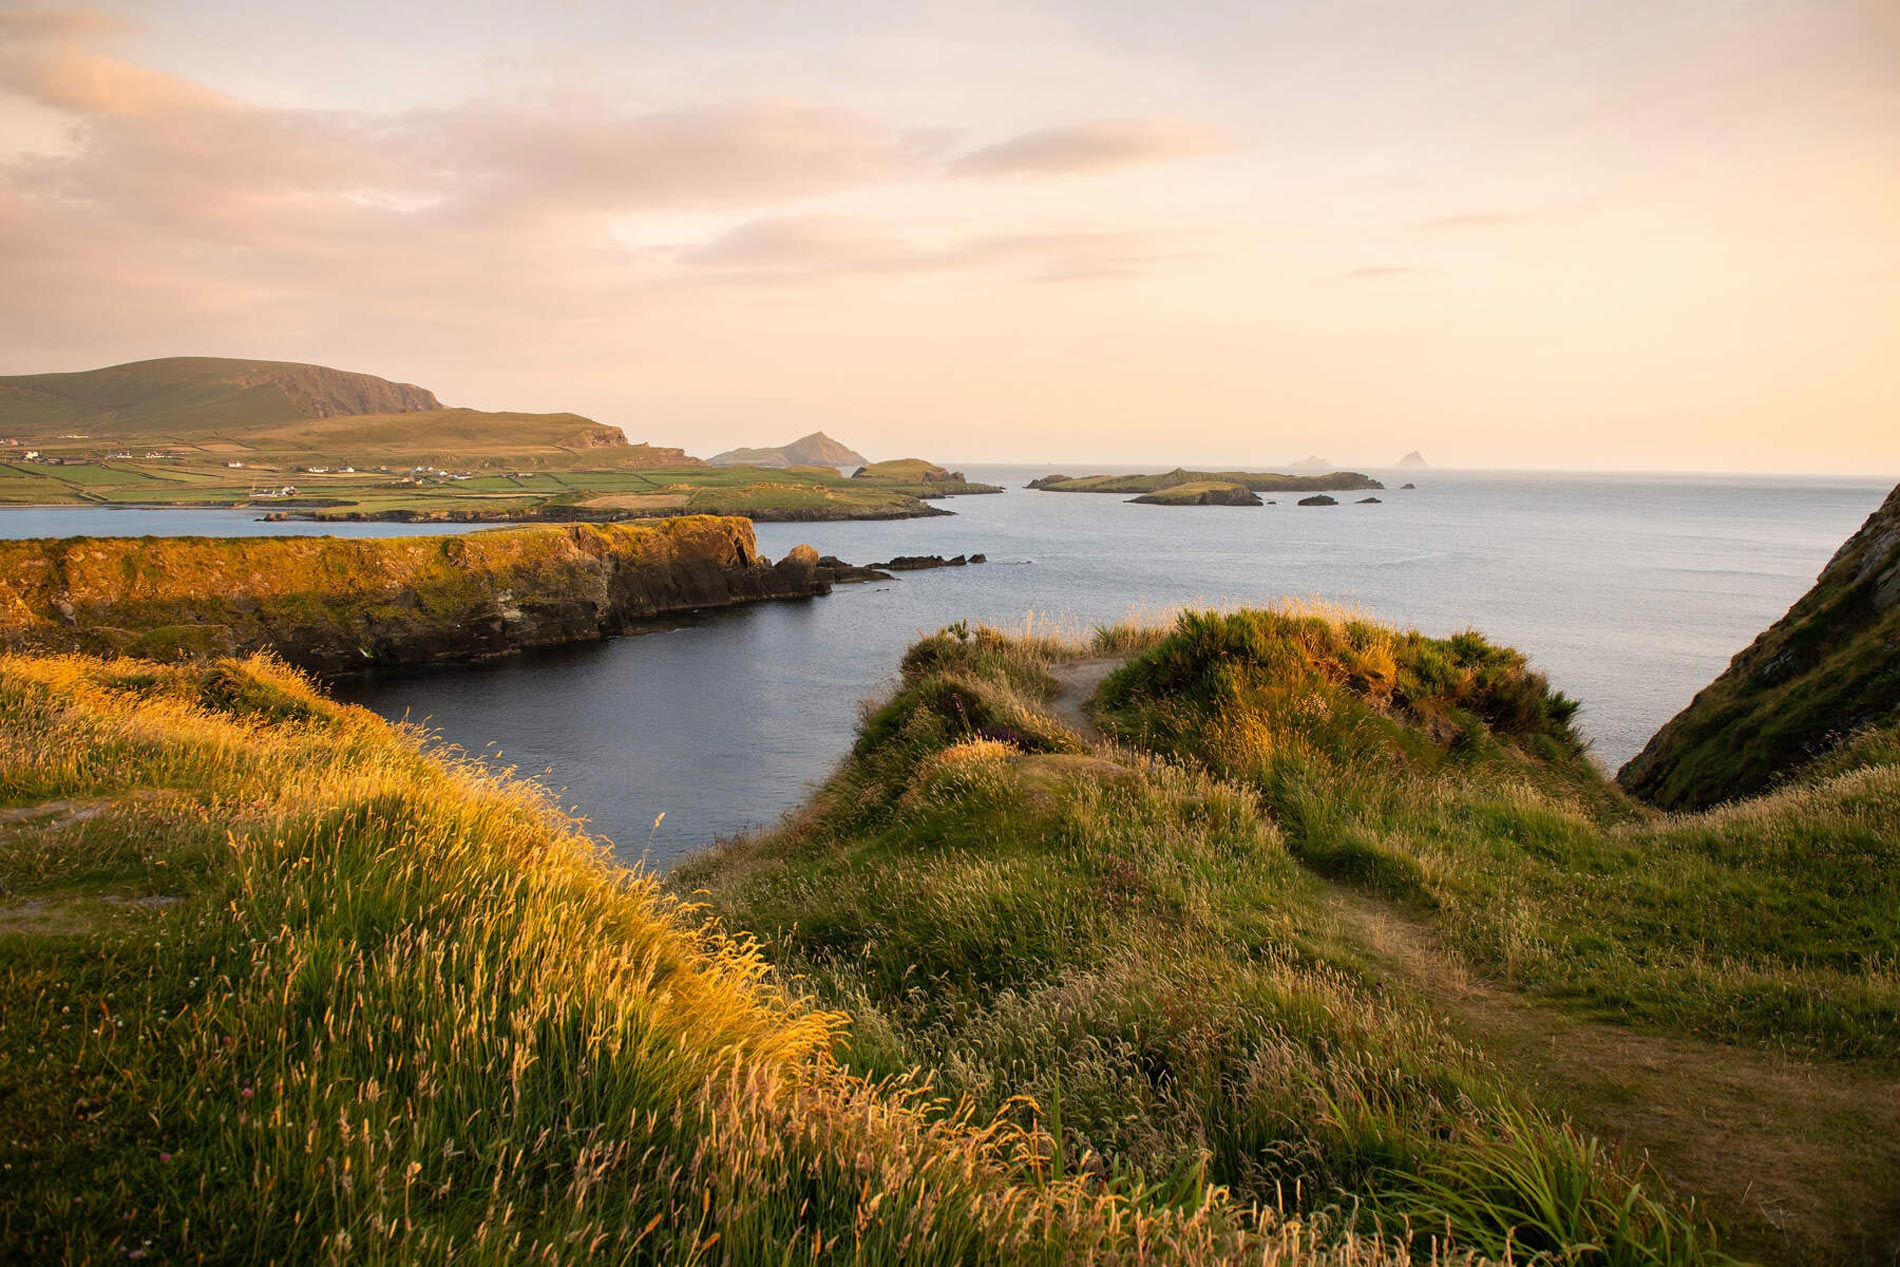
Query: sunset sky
x,y
1613,234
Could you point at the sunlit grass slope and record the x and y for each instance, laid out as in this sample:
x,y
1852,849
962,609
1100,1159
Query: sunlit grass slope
x,y
276,987
1122,949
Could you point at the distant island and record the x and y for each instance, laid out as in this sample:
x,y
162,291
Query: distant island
x,y
916,473
1201,493
310,441
1411,460
816,449
1311,464
1253,481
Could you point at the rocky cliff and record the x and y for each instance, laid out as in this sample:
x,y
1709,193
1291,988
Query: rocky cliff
x,y
336,604
1829,667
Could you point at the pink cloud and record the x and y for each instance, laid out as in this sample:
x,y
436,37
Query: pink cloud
x,y
1093,147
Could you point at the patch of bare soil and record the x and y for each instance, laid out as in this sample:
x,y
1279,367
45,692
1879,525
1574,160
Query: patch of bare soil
x,y
1799,1161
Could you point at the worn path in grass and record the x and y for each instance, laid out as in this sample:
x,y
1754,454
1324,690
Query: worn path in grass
x,y
1078,681
1797,1161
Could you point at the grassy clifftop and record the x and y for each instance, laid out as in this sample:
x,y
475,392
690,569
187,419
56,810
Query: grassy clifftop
x,y
276,987
338,604
1827,669
1240,937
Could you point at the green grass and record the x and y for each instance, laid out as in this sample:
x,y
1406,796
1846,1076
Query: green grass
x,y
1444,772
582,493
1127,941
277,987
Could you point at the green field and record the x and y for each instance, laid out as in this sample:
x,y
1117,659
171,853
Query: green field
x,y
608,492
411,457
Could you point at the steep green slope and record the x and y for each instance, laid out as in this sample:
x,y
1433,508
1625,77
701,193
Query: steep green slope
x,y
1831,666
189,394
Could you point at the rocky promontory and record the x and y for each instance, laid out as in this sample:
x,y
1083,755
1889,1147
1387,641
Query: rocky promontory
x,y
336,605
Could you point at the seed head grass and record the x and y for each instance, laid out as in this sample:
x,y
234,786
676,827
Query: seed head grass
x,y
320,995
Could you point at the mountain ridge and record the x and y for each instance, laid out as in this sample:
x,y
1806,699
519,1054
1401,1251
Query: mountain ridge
x,y
138,398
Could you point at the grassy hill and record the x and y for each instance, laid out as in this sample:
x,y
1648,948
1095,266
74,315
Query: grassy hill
x,y
1345,920
186,395
816,449
1826,670
277,987
1303,938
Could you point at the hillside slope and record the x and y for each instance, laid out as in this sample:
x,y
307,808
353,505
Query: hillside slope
x,y
195,393
816,449
1828,668
1155,930
276,987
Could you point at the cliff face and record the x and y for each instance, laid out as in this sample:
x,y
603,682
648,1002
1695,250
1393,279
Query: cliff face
x,y
333,604
1827,668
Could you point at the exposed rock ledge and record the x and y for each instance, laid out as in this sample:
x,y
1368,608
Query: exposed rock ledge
x,y
336,604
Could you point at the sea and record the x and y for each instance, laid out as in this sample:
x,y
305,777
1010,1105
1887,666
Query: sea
x,y
1631,592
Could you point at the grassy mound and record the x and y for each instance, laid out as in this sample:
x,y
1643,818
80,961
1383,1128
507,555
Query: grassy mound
x,y
275,986
1445,772
1121,950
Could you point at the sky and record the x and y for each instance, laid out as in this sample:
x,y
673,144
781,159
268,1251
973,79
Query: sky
x,y
1571,234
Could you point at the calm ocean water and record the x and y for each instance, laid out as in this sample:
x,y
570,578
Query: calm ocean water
x,y
1631,592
